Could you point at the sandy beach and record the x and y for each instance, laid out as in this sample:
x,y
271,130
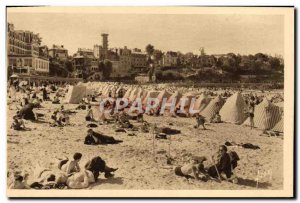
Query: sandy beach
x,y
138,167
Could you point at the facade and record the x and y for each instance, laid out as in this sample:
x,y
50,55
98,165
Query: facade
x,y
24,53
170,59
88,53
125,61
138,59
59,52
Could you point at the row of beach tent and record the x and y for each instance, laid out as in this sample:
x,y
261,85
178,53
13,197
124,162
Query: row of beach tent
x,y
268,116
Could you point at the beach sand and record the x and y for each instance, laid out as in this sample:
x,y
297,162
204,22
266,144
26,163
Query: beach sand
x,y
139,167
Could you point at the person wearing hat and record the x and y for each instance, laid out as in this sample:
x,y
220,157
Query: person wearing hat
x,y
193,169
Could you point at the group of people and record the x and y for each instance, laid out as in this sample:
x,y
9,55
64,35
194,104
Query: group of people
x,y
221,166
68,174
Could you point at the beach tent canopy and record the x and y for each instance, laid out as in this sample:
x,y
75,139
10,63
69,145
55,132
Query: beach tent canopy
x,y
14,76
163,95
201,102
213,107
278,127
234,109
150,94
75,94
266,115
176,95
128,92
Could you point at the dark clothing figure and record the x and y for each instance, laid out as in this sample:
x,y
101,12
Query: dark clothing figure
x,y
27,113
223,165
45,94
97,166
97,138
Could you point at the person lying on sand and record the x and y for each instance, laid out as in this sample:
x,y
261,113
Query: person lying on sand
x,y
194,169
18,124
94,138
97,165
200,121
89,116
80,180
70,166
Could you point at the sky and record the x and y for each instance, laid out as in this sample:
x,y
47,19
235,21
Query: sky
x,y
218,34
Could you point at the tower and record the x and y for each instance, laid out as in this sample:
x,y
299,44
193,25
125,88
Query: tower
x,y
105,44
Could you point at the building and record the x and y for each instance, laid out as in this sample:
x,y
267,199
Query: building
x,y
138,59
58,52
170,59
88,53
25,53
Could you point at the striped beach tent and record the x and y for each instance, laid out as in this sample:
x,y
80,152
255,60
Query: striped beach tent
x,y
133,94
176,95
266,115
234,109
201,102
163,94
278,127
212,108
150,94
127,93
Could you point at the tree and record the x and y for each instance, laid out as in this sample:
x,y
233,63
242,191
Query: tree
x,y
157,55
107,69
150,49
69,66
101,66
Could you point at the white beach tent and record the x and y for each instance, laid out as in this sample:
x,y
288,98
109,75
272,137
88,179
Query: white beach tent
x,y
278,127
234,110
75,94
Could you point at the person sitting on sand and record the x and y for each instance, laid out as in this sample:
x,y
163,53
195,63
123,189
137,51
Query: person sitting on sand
x,y
82,105
200,121
145,127
70,166
19,182
27,112
94,138
194,169
63,116
97,165
90,115
55,100
216,118
18,124
55,119
123,120
221,164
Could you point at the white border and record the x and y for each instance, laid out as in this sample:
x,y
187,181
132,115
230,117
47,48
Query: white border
x,y
78,2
